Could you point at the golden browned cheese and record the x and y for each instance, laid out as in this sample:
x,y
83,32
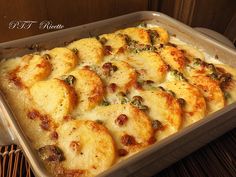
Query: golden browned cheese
x,y
98,101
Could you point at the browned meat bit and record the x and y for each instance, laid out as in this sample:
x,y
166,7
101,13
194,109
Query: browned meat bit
x,y
75,145
33,114
75,51
128,140
156,125
108,68
107,50
45,120
45,123
13,77
225,80
102,40
122,152
51,153
54,135
121,119
138,98
137,102
112,87
181,101
152,140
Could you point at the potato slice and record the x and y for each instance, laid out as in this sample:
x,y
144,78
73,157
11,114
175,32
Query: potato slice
x,y
90,50
149,65
165,108
124,77
89,87
116,41
195,107
63,60
191,52
33,69
174,57
211,91
55,97
138,34
87,146
130,127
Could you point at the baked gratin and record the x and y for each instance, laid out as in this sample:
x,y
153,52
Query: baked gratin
x,y
95,102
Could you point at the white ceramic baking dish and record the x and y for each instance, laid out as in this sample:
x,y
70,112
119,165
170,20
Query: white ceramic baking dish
x,y
157,156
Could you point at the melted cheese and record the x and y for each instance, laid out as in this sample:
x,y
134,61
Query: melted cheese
x,y
125,91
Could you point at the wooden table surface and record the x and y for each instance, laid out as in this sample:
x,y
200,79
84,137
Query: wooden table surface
x,y
216,159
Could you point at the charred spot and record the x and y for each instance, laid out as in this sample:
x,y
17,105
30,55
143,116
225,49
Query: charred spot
x,y
34,46
225,80
122,152
128,140
51,153
47,56
121,119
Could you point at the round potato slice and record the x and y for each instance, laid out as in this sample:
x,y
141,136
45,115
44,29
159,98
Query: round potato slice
x,y
63,60
162,36
124,77
129,126
116,41
211,91
89,87
87,146
32,69
149,65
174,57
55,97
138,34
164,108
195,105
90,50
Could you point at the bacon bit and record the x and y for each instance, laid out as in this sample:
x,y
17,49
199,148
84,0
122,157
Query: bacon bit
x,y
15,79
75,146
121,119
45,120
45,124
107,50
87,67
112,87
122,152
128,140
152,140
67,118
51,153
164,68
33,114
54,135
225,80
121,50
108,68
138,86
